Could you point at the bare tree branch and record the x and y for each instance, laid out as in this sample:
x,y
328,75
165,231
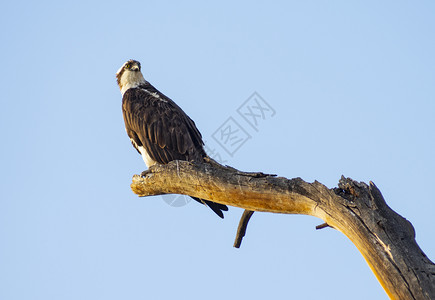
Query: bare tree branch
x,y
385,239
321,226
241,230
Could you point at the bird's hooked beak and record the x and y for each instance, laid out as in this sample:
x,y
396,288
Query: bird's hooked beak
x,y
135,68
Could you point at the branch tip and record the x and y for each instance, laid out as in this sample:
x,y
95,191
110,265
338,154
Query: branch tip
x,y
321,226
241,230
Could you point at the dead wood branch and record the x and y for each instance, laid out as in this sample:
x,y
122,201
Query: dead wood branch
x,y
384,238
241,230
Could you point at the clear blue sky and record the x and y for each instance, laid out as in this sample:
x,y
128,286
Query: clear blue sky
x,y
353,87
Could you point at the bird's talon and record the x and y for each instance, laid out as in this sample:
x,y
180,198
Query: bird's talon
x,y
144,173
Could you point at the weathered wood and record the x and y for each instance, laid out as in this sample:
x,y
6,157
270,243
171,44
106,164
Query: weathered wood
x,y
241,230
384,238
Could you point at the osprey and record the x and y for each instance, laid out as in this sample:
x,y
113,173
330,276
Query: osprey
x,y
158,128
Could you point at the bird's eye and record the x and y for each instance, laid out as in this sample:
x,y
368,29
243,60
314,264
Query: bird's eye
x,y
127,66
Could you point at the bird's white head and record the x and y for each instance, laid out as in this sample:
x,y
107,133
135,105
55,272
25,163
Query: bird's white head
x,y
129,75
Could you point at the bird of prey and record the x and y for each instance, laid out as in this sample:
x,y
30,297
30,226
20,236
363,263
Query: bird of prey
x,y
158,128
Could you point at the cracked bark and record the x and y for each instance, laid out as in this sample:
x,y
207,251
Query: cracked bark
x,y
385,239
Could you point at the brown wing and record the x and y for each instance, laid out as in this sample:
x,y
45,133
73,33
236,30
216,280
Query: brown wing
x,y
160,126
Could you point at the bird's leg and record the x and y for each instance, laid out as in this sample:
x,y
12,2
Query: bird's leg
x,y
145,173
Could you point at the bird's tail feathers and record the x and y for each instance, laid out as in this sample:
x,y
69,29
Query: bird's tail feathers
x,y
216,207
